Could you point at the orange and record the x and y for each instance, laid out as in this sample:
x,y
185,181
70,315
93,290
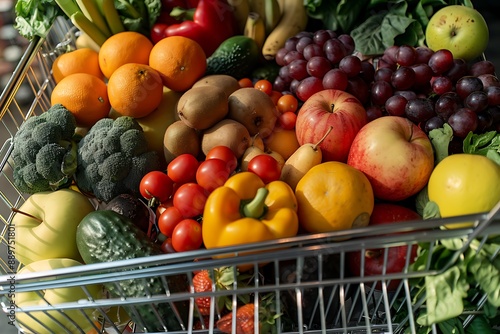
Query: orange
x,y
181,62
122,48
334,196
84,95
83,60
282,141
135,90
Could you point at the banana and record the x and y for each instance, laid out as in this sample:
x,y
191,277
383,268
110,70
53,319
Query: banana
x,y
255,29
241,8
259,7
293,20
273,15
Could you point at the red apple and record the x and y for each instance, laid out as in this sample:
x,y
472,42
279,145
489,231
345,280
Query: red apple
x,y
385,213
395,155
335,108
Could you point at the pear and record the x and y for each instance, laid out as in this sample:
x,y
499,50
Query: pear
x,y
256,148
301,161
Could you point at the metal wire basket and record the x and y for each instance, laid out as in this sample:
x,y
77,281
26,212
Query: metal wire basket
x,y
304,278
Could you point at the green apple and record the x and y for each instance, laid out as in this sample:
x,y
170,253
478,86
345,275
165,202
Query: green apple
x,y
46,225
460,29
55,296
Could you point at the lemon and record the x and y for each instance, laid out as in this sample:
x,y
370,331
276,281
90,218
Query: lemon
x,y
334,196
464,184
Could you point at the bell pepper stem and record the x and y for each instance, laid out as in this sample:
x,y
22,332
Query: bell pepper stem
x,y
256,208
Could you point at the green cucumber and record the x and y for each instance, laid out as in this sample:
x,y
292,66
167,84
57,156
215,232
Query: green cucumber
x,y
106,236
236,56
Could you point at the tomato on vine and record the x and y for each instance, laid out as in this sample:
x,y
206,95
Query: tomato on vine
x,y
168,219
187,236
266,167
156,186
182,169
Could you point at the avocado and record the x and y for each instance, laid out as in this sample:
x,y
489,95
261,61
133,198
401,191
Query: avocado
x,y
236,56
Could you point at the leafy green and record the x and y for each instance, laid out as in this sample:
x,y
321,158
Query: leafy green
x,y
138,15
487,144
35,17
378,24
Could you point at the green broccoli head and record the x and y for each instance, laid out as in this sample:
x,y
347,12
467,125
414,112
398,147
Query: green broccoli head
x,y
43,150
113,157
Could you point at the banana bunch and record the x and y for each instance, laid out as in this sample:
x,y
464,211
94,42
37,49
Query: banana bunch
x,y
270,22
98,19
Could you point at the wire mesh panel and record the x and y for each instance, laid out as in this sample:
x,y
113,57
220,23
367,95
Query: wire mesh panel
x,y
317,283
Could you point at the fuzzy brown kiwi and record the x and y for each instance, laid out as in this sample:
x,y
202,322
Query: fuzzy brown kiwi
x,y
201,107
179,139
228,133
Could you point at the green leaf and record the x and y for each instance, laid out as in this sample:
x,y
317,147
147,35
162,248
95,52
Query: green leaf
x,y
348,13
488,278
431,210
393,26
453,325
368,36
479,325
453,243
445,293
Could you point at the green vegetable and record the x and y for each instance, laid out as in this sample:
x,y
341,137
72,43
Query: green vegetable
x,y
35,17
487,144
138,15
44,153
113,157
377,24
440,139
236,56
106,236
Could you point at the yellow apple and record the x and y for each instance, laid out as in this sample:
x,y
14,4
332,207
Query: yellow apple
x,y
46,225
459,29
55,321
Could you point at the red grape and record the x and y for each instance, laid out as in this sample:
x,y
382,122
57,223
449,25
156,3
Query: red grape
x,y
335,79
308,87
406,55
395,105
441,61
318,66
351,65
403,78
462,122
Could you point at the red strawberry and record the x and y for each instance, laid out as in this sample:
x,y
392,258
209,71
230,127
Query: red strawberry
x,y
202,283
244,320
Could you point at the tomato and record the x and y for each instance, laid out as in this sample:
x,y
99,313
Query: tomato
x,y
168,220
224,153
166,246
287,102
275,96
190,199
183,168
245,83
266,167
212,174
287,120
264,85
187,236
158,32
156,185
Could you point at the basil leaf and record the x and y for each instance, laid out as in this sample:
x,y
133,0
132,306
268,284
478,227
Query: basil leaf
x,y
488,278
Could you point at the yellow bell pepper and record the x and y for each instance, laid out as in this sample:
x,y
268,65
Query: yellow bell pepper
x,y
245,210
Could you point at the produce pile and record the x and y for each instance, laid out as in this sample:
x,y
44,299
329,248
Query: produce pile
x,y
180,126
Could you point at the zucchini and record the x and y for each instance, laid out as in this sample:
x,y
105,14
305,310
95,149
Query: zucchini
x,y
105,236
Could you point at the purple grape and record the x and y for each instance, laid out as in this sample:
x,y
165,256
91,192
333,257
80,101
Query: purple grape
x,y
423,74
367,71
321,36
291,56
476,101
435,122
462,122
351,65
457,70
290,43
445,106
493,94
403,78
374,112
297,69
408,94
395,105
441,61
482,67
359,88
489,80
468,84
334,51
313,50
380,92
348,42
419,110
423,54
318,66
384,74
302,43
441,85
406,55
335,79
484,121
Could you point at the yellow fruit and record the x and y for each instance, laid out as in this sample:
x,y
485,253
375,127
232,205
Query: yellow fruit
x,y
334,196
463,184
283,142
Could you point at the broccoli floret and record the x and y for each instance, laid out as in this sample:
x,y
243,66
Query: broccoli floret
x,y
113,157
43,154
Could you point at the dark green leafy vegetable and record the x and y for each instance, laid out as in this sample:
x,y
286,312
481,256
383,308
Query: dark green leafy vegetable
x,y
35,17
487,144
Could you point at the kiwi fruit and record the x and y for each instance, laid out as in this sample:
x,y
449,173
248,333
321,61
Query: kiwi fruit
x,y
203,106
228,133
179,138
228,83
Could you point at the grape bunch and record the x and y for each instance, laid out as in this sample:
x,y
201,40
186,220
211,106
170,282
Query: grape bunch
x,y
313,61
432,88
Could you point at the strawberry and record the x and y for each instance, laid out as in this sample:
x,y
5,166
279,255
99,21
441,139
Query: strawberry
x,y
202,283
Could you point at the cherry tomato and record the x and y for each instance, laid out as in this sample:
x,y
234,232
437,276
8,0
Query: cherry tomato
x,y
287,102
245,83
183,168
168,219
287,120
187,236
224,153
266,167
190,199
156,185
264,85
166,246
212,174
275,96
164,205
158,32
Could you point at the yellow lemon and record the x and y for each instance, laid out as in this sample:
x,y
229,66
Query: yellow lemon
x,y
464,184
334,196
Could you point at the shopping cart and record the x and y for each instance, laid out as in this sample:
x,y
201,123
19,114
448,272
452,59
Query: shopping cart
x,y
304,277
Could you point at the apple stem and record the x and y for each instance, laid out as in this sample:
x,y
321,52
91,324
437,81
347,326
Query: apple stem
x,y
26,214
315,147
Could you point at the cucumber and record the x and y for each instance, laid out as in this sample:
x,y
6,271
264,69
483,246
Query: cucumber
x,y
105,236
236,56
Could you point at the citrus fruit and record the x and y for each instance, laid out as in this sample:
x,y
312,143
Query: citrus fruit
x,y
283,142
135,90
464,184
122,48
181,61
83,60
84,95
334,196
